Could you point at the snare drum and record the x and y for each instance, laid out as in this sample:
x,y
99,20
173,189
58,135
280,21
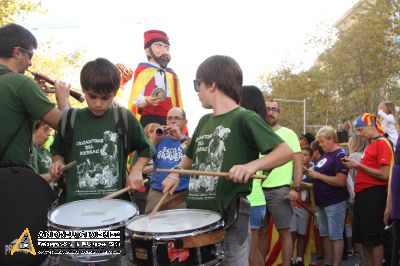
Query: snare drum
x,y
93,215
177,237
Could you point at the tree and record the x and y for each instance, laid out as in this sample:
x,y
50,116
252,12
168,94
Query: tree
x,y
59,66
12,10
352,76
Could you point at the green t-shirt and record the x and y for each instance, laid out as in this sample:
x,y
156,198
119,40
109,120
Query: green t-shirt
x,y
21,101
99,154
220,142
283,175
41,161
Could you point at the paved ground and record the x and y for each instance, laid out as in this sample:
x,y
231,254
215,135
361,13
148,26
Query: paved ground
x,y
351,261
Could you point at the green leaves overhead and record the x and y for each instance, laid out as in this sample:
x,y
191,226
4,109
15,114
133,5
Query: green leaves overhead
x,y
12,10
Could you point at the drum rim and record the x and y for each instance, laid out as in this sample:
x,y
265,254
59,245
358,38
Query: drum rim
x,y
105,226
217,225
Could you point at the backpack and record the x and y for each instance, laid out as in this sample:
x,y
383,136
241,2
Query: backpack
x,y
68,121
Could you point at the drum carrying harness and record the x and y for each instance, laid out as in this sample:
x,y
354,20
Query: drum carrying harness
x,y
67,134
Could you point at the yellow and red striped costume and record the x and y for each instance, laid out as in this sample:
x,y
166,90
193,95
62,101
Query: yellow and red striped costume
x,y
144,85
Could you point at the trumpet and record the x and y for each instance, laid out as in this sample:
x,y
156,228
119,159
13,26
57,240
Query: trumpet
x,y
161,131
77,95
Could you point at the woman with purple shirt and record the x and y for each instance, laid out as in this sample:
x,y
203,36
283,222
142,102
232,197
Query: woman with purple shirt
x,y
330,192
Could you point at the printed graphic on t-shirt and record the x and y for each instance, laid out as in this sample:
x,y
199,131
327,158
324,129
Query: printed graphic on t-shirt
x,y
170,154
98,170
209,151
321,163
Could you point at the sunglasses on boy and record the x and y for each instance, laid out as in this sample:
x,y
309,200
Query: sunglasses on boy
x,y
196,84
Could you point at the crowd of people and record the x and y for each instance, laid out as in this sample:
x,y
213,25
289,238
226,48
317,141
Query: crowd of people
x,y
349,191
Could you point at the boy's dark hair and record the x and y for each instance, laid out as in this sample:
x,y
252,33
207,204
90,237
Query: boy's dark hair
x,y
315,147
252,99
100,76
307,148
225,72
13,35
309,137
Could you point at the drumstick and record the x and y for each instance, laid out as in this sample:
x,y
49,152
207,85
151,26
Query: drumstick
x,y
121,191
158,206
68,166
196,172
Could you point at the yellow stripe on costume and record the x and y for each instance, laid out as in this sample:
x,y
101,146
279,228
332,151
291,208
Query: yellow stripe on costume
x,y
144,77
139,84
170,80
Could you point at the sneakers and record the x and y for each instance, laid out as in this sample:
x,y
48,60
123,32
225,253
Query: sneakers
x,y
352,253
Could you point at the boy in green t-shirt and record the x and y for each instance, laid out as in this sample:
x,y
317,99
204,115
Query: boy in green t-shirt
x,y
229,139
99,152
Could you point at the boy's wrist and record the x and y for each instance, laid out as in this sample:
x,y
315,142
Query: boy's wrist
x,y
183,138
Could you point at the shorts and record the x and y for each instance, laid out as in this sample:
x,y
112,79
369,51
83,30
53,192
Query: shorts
x,y
279,206
330,220
368,226
257,217
154,196
299,220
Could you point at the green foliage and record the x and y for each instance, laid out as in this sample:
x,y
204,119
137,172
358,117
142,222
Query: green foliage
x,y
357,72
59,67
12,10
56,66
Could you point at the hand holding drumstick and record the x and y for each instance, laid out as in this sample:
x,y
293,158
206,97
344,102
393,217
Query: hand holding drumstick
x,y
234,174
166,194
120,192
170,183
58,167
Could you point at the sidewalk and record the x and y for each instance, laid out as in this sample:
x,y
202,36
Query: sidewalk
x,y
351,261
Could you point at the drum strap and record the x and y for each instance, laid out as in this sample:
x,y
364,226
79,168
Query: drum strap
x,y
238,214
68,121
232,213
243,220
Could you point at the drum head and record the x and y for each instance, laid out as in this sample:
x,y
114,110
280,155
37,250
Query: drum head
x,y
173,221
92,213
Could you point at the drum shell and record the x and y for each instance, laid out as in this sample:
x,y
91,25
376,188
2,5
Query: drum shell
x,y
164,248
157,253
